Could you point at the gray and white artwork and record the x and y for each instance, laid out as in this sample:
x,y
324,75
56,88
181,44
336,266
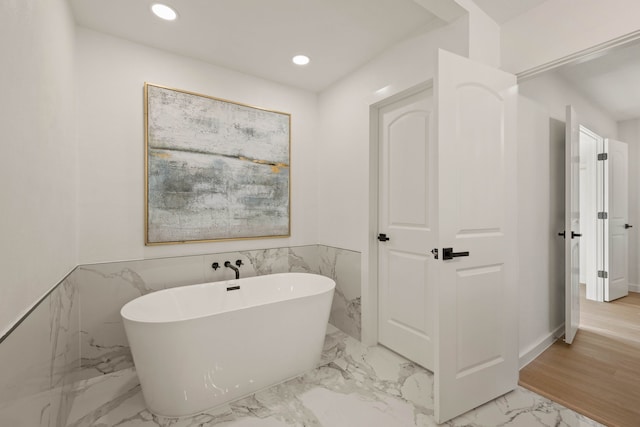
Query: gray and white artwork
x,y
215,169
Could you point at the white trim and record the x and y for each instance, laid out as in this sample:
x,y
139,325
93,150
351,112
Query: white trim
x,y
581,56
4,333
536,350
634,288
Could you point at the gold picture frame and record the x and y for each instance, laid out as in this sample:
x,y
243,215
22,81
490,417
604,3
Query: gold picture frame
x,y
215,169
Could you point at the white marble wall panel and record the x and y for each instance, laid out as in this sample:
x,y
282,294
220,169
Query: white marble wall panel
x,y
77,332
36,360
254,263
304,259
105,288
343,266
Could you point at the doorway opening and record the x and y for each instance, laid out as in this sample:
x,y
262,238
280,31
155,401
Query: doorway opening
x,y
607,340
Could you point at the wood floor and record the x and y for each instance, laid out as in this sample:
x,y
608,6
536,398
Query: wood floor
x,y
599,374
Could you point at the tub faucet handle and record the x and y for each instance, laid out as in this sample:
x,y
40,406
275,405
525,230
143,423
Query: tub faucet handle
x,y
215,266
239,262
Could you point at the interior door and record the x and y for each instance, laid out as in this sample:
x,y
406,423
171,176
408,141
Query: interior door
x,y
476,331
406,217
616,239
572,225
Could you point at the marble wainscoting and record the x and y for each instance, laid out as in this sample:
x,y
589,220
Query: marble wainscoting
x,y
37,358
105,288
75,333
352,386
344,267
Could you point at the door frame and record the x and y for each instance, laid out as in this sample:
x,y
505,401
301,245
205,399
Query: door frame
x,y
369,311
590,242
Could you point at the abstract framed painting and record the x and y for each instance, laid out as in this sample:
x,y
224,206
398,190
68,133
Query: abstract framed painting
x,y
214,169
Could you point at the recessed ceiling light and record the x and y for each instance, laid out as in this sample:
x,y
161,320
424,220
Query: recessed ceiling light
x,y
163,11
300,60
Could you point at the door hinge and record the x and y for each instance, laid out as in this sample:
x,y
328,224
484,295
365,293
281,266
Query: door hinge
x,y
603,156
603,274
603,215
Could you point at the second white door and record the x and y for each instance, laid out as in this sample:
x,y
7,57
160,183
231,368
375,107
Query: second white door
x,y
407,218
616,228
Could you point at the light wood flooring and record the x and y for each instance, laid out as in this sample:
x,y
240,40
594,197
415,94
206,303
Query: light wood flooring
x,y
599,374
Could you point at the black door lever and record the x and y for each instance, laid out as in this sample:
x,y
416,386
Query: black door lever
x,y
563,234
575,235
447,253
628,226
383,237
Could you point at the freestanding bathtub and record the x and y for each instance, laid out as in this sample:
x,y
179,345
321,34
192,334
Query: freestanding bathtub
x,y
196,347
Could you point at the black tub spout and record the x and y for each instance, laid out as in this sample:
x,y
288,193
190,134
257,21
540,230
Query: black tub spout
x,y
234,268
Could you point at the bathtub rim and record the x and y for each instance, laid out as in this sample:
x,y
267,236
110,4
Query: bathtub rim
x,y
234,282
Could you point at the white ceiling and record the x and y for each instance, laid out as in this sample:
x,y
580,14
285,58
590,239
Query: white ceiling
x,y
259,37
612,81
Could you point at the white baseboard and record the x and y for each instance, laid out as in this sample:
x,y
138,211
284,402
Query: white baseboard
x,y
527,356
634,288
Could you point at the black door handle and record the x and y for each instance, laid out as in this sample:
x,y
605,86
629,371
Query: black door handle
x,y
447,253
628,226
563,234
575,235
383,237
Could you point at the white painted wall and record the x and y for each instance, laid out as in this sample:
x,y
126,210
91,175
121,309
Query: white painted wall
x,y
629,132
38,161
558,28
111,74
555,93
540,218
483,33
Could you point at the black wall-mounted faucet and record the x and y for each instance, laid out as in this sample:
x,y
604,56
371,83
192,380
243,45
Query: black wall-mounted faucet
x,y
229,265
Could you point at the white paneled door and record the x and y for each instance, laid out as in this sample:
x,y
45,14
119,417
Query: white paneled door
x,y
572,225
406,219
476,322
616,229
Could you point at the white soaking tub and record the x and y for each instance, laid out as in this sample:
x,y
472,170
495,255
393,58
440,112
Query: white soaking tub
x,y
197,347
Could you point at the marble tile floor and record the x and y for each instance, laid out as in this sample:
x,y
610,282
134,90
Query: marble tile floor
x,y
353,386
